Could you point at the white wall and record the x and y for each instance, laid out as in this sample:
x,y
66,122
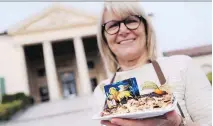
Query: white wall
x,y
12,67
179,24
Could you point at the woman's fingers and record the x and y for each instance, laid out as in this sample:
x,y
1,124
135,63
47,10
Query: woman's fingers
x,y
145,122
107,123
127,122
171,118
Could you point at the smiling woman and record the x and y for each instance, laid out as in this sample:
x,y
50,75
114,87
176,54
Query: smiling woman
x,y
127,44
121,27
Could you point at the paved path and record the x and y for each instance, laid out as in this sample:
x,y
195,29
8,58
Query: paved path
x,y
66,112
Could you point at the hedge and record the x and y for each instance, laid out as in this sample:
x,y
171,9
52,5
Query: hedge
x,y
7,110
13,103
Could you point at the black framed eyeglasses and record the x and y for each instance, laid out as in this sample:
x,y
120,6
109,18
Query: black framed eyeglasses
x,y
131,22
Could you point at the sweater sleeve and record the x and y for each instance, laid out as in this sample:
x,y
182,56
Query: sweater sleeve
x,y
198,94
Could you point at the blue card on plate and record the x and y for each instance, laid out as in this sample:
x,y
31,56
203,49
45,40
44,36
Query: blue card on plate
x,y
122,90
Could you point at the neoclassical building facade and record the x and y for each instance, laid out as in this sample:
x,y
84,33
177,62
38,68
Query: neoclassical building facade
x,y
52,54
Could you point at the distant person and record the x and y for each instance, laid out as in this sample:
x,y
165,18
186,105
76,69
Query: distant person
x,y
127,44
68,84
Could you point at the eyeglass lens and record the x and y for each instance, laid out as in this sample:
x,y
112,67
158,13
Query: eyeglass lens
x,y
131,22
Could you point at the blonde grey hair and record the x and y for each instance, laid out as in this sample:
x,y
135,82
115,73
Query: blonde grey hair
x,y
123,9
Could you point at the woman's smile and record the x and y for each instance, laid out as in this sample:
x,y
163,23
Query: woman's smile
x,y
126,41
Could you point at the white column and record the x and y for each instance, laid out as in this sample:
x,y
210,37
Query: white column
x,y
51,74
85,85
24,75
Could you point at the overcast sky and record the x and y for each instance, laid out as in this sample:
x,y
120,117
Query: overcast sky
x,y
13,12
183,24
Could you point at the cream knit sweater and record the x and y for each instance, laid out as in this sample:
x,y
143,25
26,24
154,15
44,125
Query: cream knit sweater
x,y
190,86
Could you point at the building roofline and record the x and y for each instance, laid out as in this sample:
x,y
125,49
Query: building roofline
x,y
193,52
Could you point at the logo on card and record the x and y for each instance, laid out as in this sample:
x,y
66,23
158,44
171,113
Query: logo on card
x,y
121,91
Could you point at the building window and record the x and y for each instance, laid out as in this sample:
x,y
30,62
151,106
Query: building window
x,y
41,72
94,83
90,64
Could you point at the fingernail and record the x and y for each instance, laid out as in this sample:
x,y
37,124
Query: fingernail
x,y
113,121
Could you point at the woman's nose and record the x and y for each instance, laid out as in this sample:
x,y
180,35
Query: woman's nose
x,y
123,30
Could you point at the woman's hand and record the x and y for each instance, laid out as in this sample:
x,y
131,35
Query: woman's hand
x,y
172,119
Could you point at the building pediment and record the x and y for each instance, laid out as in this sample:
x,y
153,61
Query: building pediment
x,y
56,17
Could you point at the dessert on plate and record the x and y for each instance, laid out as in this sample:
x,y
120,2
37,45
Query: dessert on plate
x,y
125,97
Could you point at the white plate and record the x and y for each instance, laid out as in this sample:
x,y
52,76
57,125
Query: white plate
x,y
140,114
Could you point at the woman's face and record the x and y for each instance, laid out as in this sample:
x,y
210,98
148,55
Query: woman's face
x,y
126,44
